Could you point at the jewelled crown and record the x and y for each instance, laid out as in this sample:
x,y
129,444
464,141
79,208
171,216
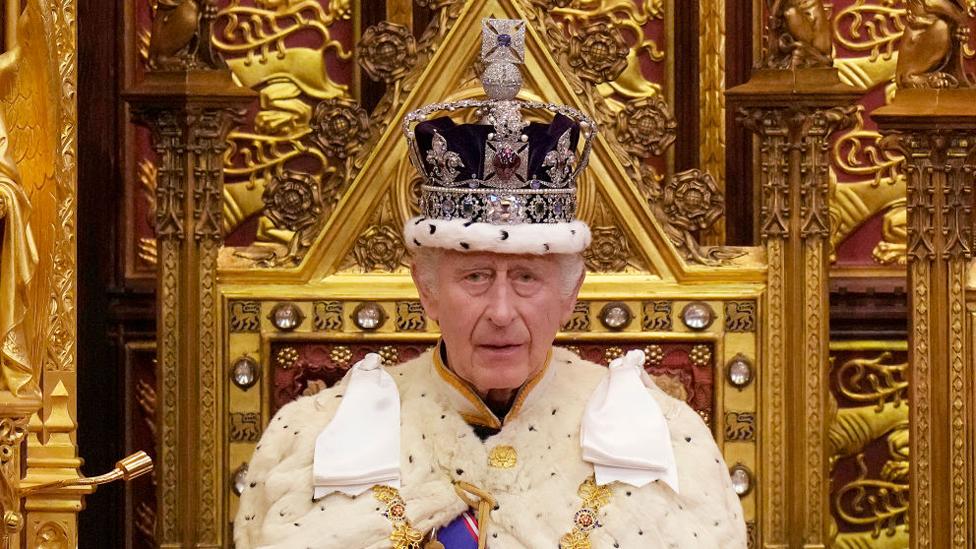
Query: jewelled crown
x,y
501,170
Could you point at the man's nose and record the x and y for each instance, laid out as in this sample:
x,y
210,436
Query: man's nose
x,y
501,307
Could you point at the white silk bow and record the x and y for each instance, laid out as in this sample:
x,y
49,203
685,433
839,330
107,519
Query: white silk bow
x,y
360,447
624,434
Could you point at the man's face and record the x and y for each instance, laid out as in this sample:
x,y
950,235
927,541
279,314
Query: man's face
x,y
498,314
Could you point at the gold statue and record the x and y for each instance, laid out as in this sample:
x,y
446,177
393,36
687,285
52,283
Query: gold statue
x,y
18,258
929,54
799,35
31,158
181,36
18,253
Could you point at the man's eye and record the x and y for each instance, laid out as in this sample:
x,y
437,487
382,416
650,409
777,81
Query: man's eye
x,y
526,277
477,277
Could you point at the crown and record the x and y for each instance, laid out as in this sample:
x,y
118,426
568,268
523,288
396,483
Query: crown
x,y
501,170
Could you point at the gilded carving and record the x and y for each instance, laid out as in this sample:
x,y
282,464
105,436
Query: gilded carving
x,y
775,210
18,260
740,316
12,432
579,321
379,247
298,101
646,127
892,249
779,129
410,317
598,52
691,202
168,347
712,61
774,400
657,316
245,316
874,380
387,52
608,252
929,52
919,269
181,36
873,27
327,316
878,504
170,173
818,406
951,152
340,127
857,151
190,141
798,35
740,426
52,535
293,201
245,426
815,184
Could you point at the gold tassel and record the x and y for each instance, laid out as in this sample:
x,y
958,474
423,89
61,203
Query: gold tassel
x,y
485,503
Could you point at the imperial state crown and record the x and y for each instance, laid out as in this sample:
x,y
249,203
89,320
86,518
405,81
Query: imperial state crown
x,y
502,184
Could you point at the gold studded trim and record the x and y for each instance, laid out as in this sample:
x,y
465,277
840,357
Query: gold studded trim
x,y
502,457
585,521
403,535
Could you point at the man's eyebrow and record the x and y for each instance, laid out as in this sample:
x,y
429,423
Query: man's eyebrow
x,y
474,267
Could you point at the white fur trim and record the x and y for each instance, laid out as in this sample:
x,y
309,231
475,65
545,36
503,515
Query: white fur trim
x,y
537,499
525,238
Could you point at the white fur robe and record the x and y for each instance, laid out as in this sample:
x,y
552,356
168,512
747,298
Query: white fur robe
x,y
537,499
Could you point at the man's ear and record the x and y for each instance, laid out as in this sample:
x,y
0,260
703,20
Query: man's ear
x,y
571,298
426,297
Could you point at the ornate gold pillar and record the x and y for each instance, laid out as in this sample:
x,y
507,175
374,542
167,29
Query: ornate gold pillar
x,y
794,113
936,131
793,103
190,103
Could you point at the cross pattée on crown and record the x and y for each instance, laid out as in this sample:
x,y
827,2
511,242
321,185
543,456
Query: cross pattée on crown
x,y
503,41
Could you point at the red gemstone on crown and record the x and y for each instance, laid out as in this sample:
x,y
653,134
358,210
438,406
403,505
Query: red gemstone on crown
x,y
506,162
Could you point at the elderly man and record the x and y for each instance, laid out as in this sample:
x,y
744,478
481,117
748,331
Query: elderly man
x,y
494,438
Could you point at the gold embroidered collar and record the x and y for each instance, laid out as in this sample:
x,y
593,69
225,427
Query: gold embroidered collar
x,y
469,404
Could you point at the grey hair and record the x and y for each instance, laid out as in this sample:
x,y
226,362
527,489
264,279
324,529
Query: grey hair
x,y
571,267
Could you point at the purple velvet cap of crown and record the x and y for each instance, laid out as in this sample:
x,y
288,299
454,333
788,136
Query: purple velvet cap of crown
x,y
470,141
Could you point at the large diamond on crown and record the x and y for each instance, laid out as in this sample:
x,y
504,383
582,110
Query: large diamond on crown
x,y
504,209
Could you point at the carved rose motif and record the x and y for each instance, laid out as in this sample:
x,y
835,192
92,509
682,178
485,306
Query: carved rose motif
x,y
379,247
646,127
599,53
692,200
608,251
293,201
387,51
339,127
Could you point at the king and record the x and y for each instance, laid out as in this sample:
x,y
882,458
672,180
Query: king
x,y
495,438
